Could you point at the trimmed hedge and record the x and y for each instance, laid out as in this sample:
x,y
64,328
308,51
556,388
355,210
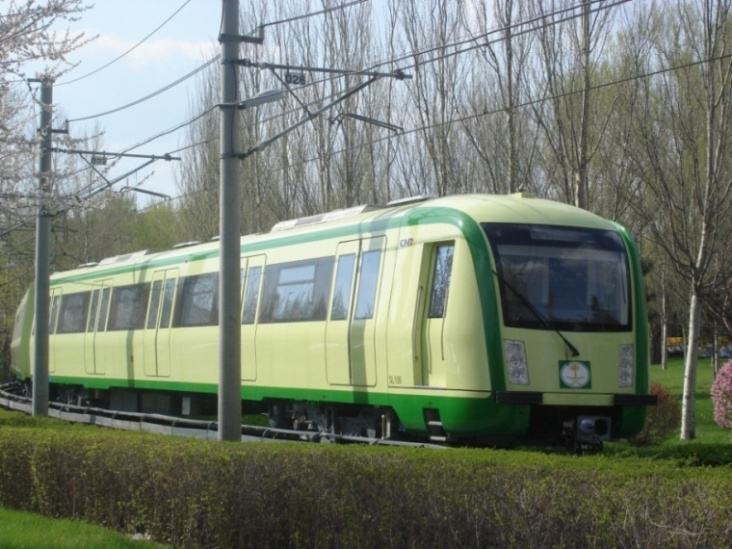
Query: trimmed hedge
x,y
207,494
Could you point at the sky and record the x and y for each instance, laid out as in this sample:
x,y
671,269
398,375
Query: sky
x,y
182,45
187,41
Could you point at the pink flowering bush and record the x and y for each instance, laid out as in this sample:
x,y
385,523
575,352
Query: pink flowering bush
x,y
722,396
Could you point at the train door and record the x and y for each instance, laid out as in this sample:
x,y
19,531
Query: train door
x,y
432,310
338,327
156,335
94,357
351,328
252,267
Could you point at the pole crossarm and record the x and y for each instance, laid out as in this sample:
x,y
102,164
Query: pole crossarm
x,y
399,74
267,142
166,157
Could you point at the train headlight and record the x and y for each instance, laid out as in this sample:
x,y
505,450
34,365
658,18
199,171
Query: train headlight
x,y
625,369
516,364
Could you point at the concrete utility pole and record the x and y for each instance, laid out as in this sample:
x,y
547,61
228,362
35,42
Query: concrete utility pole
x,y
43,231
229,397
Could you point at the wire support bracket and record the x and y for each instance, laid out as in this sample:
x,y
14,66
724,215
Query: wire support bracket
x,y
398,74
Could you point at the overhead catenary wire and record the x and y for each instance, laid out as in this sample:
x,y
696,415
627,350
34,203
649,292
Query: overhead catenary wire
x,y
413,55
150,95
550,19
130,50
474,116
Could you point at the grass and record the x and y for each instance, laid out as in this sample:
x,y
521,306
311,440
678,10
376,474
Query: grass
x,y
26,530
707,431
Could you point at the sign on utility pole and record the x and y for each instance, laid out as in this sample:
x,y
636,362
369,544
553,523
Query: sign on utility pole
x,y
43,232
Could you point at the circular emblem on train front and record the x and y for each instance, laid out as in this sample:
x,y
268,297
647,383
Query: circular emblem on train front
x,y
574,374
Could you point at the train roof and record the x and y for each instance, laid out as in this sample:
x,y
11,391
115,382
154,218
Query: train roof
x,y
517,207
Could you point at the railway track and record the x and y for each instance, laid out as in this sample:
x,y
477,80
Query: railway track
x,y
172,425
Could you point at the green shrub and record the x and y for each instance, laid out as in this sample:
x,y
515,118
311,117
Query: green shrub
x,y
662,420
207,494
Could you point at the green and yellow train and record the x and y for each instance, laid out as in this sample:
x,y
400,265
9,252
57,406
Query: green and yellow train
x,y
476,319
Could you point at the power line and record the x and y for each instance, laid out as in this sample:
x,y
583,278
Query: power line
x,y
129,50
150,95
485,113
411,55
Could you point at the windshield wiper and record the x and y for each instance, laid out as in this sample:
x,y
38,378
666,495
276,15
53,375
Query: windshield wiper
x,y
537,313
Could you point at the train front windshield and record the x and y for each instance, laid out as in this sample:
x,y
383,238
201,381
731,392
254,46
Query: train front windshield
x,y
561,278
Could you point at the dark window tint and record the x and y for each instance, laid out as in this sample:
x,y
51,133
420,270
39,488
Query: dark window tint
x,y
251,295
297,291
128,307
72,317
198,301
342,288
53,314
168,294
93,311
441,280
152,315
367,283
103,310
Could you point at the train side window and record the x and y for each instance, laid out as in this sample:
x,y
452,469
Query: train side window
x,y
441,280
251,294
198,303
72,316
368,281
128,307
93,311
168,295
152,315
342,288
53,314
103,310
297,291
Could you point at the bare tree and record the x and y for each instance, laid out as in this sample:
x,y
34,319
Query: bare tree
x,y
570,121
686,160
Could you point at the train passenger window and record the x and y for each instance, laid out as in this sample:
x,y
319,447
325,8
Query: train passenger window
x,y
168,294
368,280
93,311
152,315
198,302
441,280
342,289
251,294
72,316
53,314
103,310
297,291
128,307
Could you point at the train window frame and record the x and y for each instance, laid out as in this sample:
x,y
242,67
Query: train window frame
x,y
72,314
168,295
154,304
310,281
104,309
368,283
340,303
93,310
54,307
202,292
253,284
439,292
128,307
